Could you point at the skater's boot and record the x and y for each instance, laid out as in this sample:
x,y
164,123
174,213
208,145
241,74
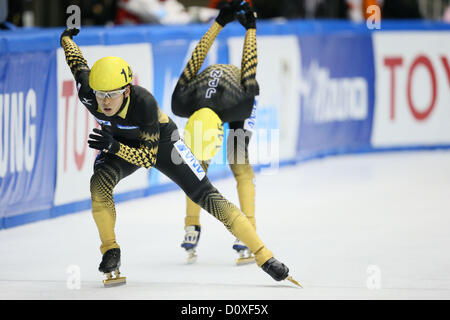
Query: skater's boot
x,y
244,254
238,245
275,269
110,261
190,242
191,237
278,271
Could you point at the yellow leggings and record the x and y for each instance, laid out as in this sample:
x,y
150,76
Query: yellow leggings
x,y
109,170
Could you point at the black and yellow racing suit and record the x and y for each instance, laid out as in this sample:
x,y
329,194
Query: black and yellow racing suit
x,y
147,139
230,93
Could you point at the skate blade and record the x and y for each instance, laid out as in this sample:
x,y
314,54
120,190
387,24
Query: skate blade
x,y
191,260
294,281
245,260
111,281
192,257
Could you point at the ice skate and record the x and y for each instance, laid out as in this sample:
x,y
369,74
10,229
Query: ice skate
x,y
111,263
278,271
190,242
245,256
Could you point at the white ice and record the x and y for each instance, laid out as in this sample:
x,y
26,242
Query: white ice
x,y
351,227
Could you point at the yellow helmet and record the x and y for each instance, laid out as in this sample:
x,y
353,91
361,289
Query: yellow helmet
x,y
110,73
203,133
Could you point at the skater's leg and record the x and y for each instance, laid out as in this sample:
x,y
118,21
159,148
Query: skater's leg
x,y
108,171
238,160
103,208
245,176
192,213
201,191
212,201
193,209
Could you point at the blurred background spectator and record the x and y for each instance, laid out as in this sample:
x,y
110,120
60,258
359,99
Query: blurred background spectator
x,y
401,9
3,13
51,13
151,11
447,14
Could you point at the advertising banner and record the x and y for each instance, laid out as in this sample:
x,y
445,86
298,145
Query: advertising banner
x,y
27,133
337,95
412,89
325,88
274,136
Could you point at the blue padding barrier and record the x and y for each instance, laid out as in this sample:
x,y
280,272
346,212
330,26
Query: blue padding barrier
x,y
351,90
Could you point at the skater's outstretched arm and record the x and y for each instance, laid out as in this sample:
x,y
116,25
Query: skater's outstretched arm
x,y
199,54
226,15
79,68
74,57
247,18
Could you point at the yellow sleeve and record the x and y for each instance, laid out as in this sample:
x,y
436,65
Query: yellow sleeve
x,y
74,57
199,54
249,63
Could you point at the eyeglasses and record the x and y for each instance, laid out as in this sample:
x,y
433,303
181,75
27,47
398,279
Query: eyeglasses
x,y
110,94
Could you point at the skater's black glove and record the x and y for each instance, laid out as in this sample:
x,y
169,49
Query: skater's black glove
x,y
69,33
246,16
227,11
103,141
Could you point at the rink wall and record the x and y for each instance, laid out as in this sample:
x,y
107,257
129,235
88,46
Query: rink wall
x,y
327,88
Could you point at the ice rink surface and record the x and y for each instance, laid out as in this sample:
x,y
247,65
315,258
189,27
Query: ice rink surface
x,y
351,227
